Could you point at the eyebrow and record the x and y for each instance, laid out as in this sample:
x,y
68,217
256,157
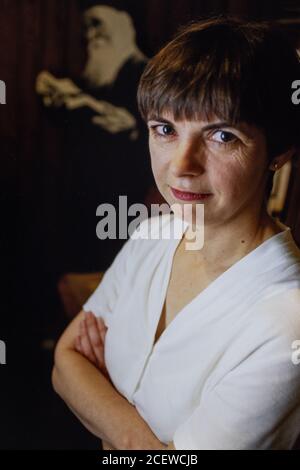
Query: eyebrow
x,y
214,125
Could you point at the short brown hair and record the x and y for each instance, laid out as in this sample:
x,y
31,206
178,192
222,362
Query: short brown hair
x,y
235,70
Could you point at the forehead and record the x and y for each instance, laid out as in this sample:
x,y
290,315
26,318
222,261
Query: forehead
x,y
101,13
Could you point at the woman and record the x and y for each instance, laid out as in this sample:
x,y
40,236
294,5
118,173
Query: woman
x,y
199,343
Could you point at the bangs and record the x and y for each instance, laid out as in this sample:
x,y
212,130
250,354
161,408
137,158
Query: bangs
x,y
190,97
212,79
230,70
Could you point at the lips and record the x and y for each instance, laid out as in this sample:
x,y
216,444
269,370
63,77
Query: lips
x,y
188,196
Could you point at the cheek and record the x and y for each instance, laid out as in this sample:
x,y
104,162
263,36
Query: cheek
x,y
234,177
158,164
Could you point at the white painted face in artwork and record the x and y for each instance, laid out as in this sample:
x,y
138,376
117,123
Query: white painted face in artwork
x,y
110,39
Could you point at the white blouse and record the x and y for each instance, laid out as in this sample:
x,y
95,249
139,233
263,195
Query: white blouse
x,y
221,375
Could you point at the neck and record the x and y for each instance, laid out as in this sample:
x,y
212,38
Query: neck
x,y
226,244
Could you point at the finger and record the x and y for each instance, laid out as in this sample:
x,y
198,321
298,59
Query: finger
x,y
100,120
106,123
74,102
81,348
108,120
93,331
47,101
85,343
101,322
95,338
78,344
105,106
102,328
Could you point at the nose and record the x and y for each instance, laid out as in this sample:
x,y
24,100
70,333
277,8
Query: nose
x,y
189,159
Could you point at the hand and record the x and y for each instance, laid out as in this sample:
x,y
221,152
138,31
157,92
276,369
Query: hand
x,y
112,118
54,90
91,340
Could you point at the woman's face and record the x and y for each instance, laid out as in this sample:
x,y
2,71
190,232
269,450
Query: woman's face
x,y
225,166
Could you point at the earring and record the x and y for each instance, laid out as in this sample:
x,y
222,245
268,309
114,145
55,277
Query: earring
x,y
275,166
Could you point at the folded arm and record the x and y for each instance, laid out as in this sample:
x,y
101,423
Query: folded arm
x,y
94,400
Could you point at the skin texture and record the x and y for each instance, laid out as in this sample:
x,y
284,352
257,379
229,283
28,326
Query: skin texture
x,y
190,156
232,164
91,396
90,343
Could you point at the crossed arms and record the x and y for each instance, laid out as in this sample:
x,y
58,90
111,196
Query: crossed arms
x,y
80,377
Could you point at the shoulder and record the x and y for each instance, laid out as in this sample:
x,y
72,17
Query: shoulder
x,y
277,303
280,312
271,329
267,334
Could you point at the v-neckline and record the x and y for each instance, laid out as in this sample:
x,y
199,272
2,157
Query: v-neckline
x,y
205,292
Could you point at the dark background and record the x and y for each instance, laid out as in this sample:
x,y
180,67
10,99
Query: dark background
x,y
37,35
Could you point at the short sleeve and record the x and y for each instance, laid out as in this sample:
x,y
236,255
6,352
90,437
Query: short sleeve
x,y
103,299
256,405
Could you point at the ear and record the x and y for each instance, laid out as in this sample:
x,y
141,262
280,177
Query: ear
x,y
281,159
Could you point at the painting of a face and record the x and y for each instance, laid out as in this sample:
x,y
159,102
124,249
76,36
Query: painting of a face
x,y
99,25
110,37
105,25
